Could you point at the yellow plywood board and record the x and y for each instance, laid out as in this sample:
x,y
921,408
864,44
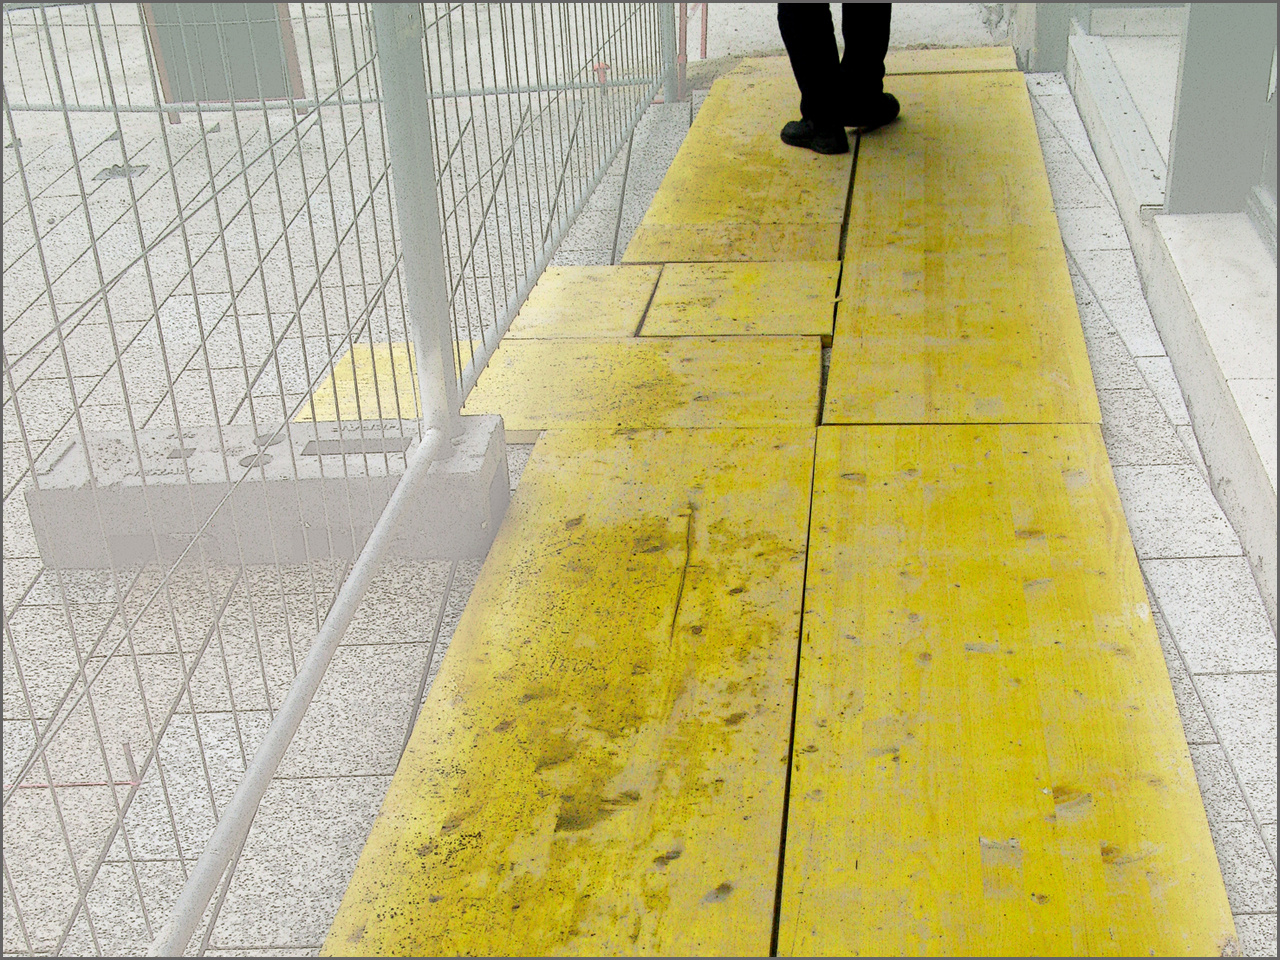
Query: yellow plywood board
x,y
708,299
715,242
735,191
651,382
369,382
586,302
952,60
599,768
958,337
372,382
988,757
960,169
733,168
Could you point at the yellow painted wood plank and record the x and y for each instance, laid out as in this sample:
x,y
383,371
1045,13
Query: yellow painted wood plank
x,y
960,169
716,242
599,767
369,382
651,382
372,382
594,301
951,60
735,191
958,337
732,166
723,299
988,756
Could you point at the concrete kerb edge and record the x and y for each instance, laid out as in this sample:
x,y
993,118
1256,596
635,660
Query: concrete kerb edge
x,y
1238,480
1236,473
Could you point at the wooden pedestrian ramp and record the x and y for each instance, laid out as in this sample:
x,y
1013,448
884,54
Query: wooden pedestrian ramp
x,y
756,666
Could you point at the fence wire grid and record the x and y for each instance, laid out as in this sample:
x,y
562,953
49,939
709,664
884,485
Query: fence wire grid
x,y
202,275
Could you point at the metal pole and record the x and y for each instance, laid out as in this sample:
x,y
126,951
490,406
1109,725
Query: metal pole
x,y
682,50
238,815
667,16
398,32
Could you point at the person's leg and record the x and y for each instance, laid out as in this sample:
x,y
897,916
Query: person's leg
x,y
866,41
809,36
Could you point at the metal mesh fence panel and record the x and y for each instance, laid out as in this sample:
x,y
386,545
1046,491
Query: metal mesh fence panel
x,y
203,292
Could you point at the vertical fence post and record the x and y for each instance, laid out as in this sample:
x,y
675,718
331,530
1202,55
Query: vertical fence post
x,y
398,32
682,51
667,18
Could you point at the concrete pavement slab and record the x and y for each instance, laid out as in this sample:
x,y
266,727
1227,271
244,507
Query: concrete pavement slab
x,y
1113,368
1243,708
1159,375
1112,277
1247,870
1151,495
1219,790
303,845
355,724
1188,436
1069,181
1136,431
1195,722
1091,228
1214,613
1257,932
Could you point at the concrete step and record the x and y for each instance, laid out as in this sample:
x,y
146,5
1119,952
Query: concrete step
x,y
1209,281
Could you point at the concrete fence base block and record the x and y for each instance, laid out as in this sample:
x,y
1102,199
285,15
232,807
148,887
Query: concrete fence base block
x,y
313,492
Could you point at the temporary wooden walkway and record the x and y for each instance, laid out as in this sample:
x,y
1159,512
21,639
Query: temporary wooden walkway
x,y
752,669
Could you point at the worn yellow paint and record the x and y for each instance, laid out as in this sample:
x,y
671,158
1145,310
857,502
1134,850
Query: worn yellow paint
x,y
586,302
988,757
951,60
369,382
600,765
714,242
961,169
651,382
709,299
735,191
372,382
958,337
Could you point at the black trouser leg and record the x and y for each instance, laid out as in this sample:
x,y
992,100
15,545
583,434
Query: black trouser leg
x,y
866,40
810,39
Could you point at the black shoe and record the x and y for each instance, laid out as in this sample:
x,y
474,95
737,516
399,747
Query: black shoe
x,y
805,133
873,112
